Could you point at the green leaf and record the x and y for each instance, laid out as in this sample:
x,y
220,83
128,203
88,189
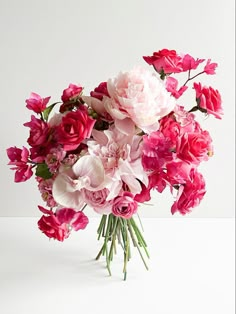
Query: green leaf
x,y
47,111
43,171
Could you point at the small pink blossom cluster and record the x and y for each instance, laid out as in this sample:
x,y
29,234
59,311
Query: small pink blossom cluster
x,y
109,149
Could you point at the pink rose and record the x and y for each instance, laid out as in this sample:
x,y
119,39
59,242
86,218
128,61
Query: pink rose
x,y
75,126
209,99
177,172
190,194
98,200
19,158
39,132
37,103
124,206
166,61
71,92
170,128
210,67
194,147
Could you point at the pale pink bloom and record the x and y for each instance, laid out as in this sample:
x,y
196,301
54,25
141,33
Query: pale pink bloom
x,y
71,92
190,194
54,158
209,99
86,173
186,120
19,158
37,103
98,200
121,158
138,96
124,205
210,67
189,63
171,86
45,188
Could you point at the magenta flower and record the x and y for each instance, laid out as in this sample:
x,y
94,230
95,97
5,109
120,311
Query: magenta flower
x,y
210,67
37,103
19,159
189,63
124,205
71,92
171,86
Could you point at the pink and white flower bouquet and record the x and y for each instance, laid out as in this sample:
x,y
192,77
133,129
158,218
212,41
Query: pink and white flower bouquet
x,y
109,149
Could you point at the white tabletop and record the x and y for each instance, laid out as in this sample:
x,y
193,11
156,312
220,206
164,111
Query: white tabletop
x,y
191,270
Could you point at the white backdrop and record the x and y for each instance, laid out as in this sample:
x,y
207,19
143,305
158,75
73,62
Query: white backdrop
x,y
45,45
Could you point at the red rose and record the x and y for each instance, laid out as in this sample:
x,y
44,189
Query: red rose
x,y
74,128
165,60
209,99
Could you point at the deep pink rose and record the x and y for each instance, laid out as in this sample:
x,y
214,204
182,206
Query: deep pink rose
x,y
165,60
190,194
189,63
124,206
39,131
209,99
100,91
71,92
194,147
170,128
52,228
19,159
210,67
75,126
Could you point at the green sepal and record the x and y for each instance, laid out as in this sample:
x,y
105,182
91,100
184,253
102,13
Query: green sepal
x,y
47,111
42,171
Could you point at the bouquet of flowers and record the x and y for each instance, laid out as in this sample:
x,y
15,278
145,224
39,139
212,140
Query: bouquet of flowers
x,y
109,149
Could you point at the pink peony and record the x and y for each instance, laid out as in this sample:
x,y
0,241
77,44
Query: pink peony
x,y
190,194
209,99
194,147
75,126
37,103
71,92
140,96
19,159
166,61
124,205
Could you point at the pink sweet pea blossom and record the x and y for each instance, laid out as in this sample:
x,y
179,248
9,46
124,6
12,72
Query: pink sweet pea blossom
x,y
124,205
189,63
190,194
71,92
209,99
58,225
171,86
37,103
210,67
165,60
19,158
